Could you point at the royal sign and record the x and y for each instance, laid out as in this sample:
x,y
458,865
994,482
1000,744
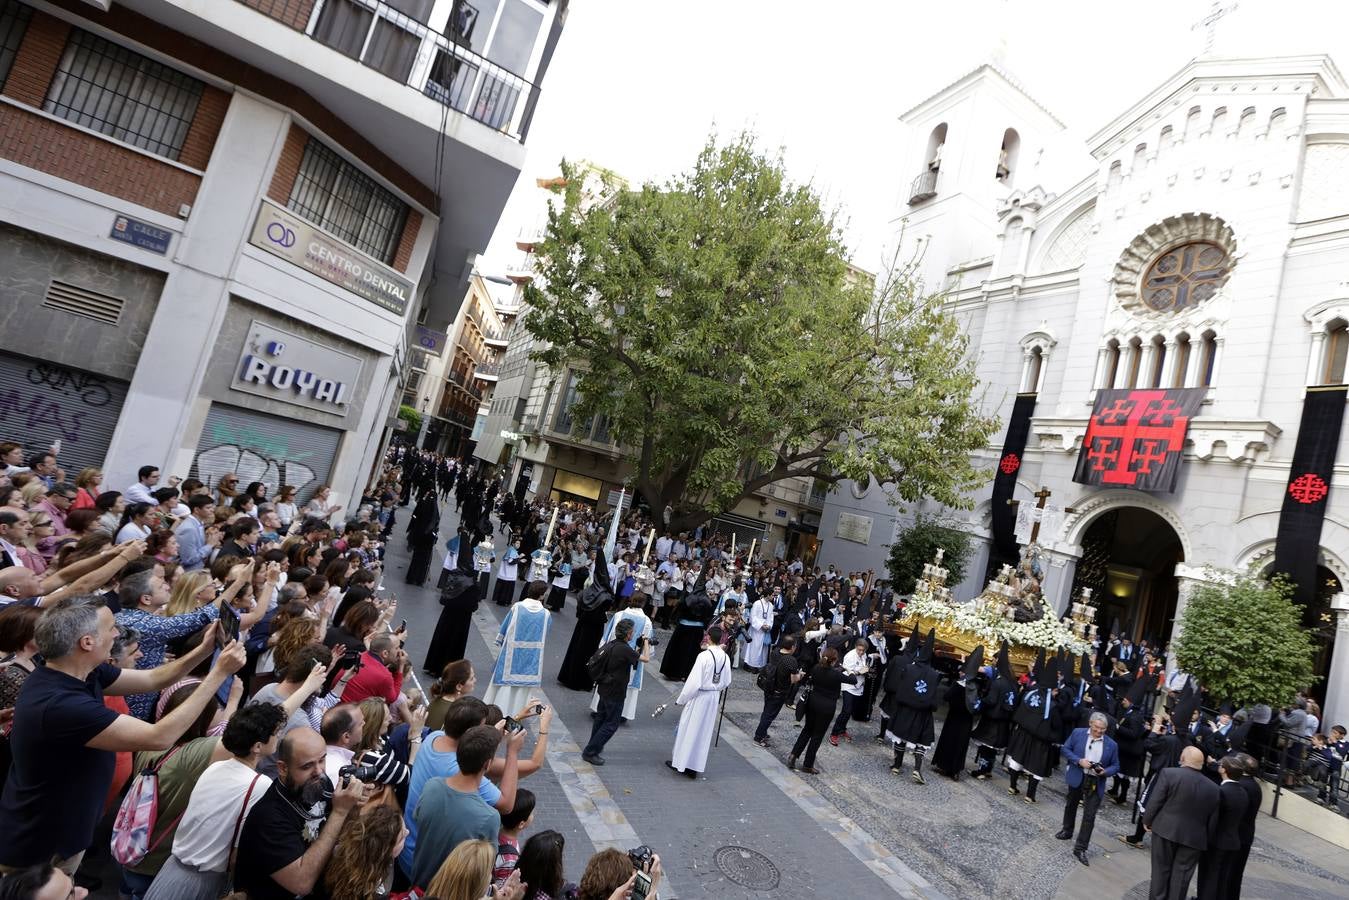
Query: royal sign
x,y
1136,438
284,234
286,367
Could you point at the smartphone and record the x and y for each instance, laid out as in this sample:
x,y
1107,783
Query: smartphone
x,y
513,726
538,709
641,887
229,625
403,626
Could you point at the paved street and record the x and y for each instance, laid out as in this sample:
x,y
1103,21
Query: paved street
x,y
855,830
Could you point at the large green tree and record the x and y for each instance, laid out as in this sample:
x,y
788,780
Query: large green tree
x,y
1245,642
715,322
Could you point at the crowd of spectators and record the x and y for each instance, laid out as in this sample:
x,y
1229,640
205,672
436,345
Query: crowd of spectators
x,y
203,682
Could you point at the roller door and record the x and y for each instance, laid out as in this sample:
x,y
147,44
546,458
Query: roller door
x,y
44,401
262,447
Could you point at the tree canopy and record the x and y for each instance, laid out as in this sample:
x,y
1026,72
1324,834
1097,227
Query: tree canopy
x,y
918,544
1244,641
716,323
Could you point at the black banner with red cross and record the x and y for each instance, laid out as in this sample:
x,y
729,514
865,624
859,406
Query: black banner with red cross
x,y
1305,499
1135,438
1004,481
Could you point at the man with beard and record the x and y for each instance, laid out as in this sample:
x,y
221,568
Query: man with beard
x,y
289,834
995,715
911,696
1037,723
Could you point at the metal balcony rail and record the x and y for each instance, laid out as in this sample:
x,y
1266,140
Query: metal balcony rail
x,y
488,370
924,187
385,37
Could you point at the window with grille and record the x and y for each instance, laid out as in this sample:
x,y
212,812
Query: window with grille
x,y
14,18
340,198
108,88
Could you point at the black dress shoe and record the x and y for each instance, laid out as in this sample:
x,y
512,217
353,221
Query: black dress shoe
x,y
595,760
1081,856
1064,835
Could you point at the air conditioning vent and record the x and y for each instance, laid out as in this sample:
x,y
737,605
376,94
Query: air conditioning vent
x,y
83,302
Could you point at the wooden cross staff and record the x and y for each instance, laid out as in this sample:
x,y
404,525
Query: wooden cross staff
x,y
1042,495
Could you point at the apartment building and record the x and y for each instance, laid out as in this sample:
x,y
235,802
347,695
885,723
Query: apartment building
x,y
225,220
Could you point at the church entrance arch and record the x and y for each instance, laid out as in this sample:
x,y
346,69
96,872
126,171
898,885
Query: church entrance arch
x,y
1129,557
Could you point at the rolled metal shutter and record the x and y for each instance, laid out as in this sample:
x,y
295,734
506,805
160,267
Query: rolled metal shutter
x,y
44,401
262,447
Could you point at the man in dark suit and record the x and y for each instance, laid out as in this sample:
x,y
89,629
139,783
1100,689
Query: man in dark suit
x,y
1225,841
1092,758
1246,828
1181,807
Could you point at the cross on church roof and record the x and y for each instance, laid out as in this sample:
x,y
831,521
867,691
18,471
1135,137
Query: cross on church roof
x,y
1210,23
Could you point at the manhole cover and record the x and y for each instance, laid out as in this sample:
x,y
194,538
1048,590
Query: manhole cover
x,y
747,868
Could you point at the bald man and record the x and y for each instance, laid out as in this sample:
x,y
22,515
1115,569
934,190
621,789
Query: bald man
x,y
1181,808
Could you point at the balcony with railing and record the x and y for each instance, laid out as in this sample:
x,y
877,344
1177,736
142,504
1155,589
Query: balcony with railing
x,y
487,372
924,187
522,270
395,39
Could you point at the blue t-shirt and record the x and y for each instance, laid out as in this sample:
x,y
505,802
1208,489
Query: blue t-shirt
x,y
57,785
449,818
432,763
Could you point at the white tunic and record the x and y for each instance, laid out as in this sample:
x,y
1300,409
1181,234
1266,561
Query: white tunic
x,y
761,632
700,698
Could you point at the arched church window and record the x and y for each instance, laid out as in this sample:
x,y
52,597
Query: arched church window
x,y
1110,371
1277,121
1035,360
1135,363
1185,276
1007,154
1166,139
1208,358
1115,175
935,142
1182,364
1192,123
1158,362
1336,352
1246,124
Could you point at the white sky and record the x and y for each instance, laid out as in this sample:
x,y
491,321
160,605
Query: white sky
x,y
637,85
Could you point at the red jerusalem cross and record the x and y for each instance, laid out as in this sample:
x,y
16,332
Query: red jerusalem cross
x,y
1134,435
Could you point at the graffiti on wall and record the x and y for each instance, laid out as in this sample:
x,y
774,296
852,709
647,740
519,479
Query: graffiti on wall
x,y
60,399
254,455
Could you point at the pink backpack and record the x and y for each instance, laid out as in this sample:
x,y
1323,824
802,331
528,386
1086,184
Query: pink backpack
x,y
136,817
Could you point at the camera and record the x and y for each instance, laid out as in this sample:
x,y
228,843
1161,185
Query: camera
x,y
350,659
367,774
641,857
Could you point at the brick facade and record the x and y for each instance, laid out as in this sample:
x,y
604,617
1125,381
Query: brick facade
x,y
38,142
36,60
205,128
403,255
294,13
288,166
210,59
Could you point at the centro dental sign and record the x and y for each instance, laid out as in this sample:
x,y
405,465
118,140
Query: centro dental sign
x,y
283,234
282,366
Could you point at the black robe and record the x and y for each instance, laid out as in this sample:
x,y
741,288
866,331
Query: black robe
x,y
1034,732
686,641
954,744
995,714
450,640
912,693
422,530
1130,735
586,636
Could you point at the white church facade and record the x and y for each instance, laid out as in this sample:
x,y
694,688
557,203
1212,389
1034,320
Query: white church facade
x,y
1200,240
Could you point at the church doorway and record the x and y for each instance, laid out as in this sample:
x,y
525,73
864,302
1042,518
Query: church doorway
x,y
1129,558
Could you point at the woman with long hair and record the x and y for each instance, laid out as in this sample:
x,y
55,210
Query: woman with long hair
x,y
826,681
88,485
191,591
358,624
227,490
540,867
467,873
359,867
456,680
135,523
318,505
32,541
33,492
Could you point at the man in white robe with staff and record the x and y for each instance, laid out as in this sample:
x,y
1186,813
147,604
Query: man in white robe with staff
x,y
701,699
